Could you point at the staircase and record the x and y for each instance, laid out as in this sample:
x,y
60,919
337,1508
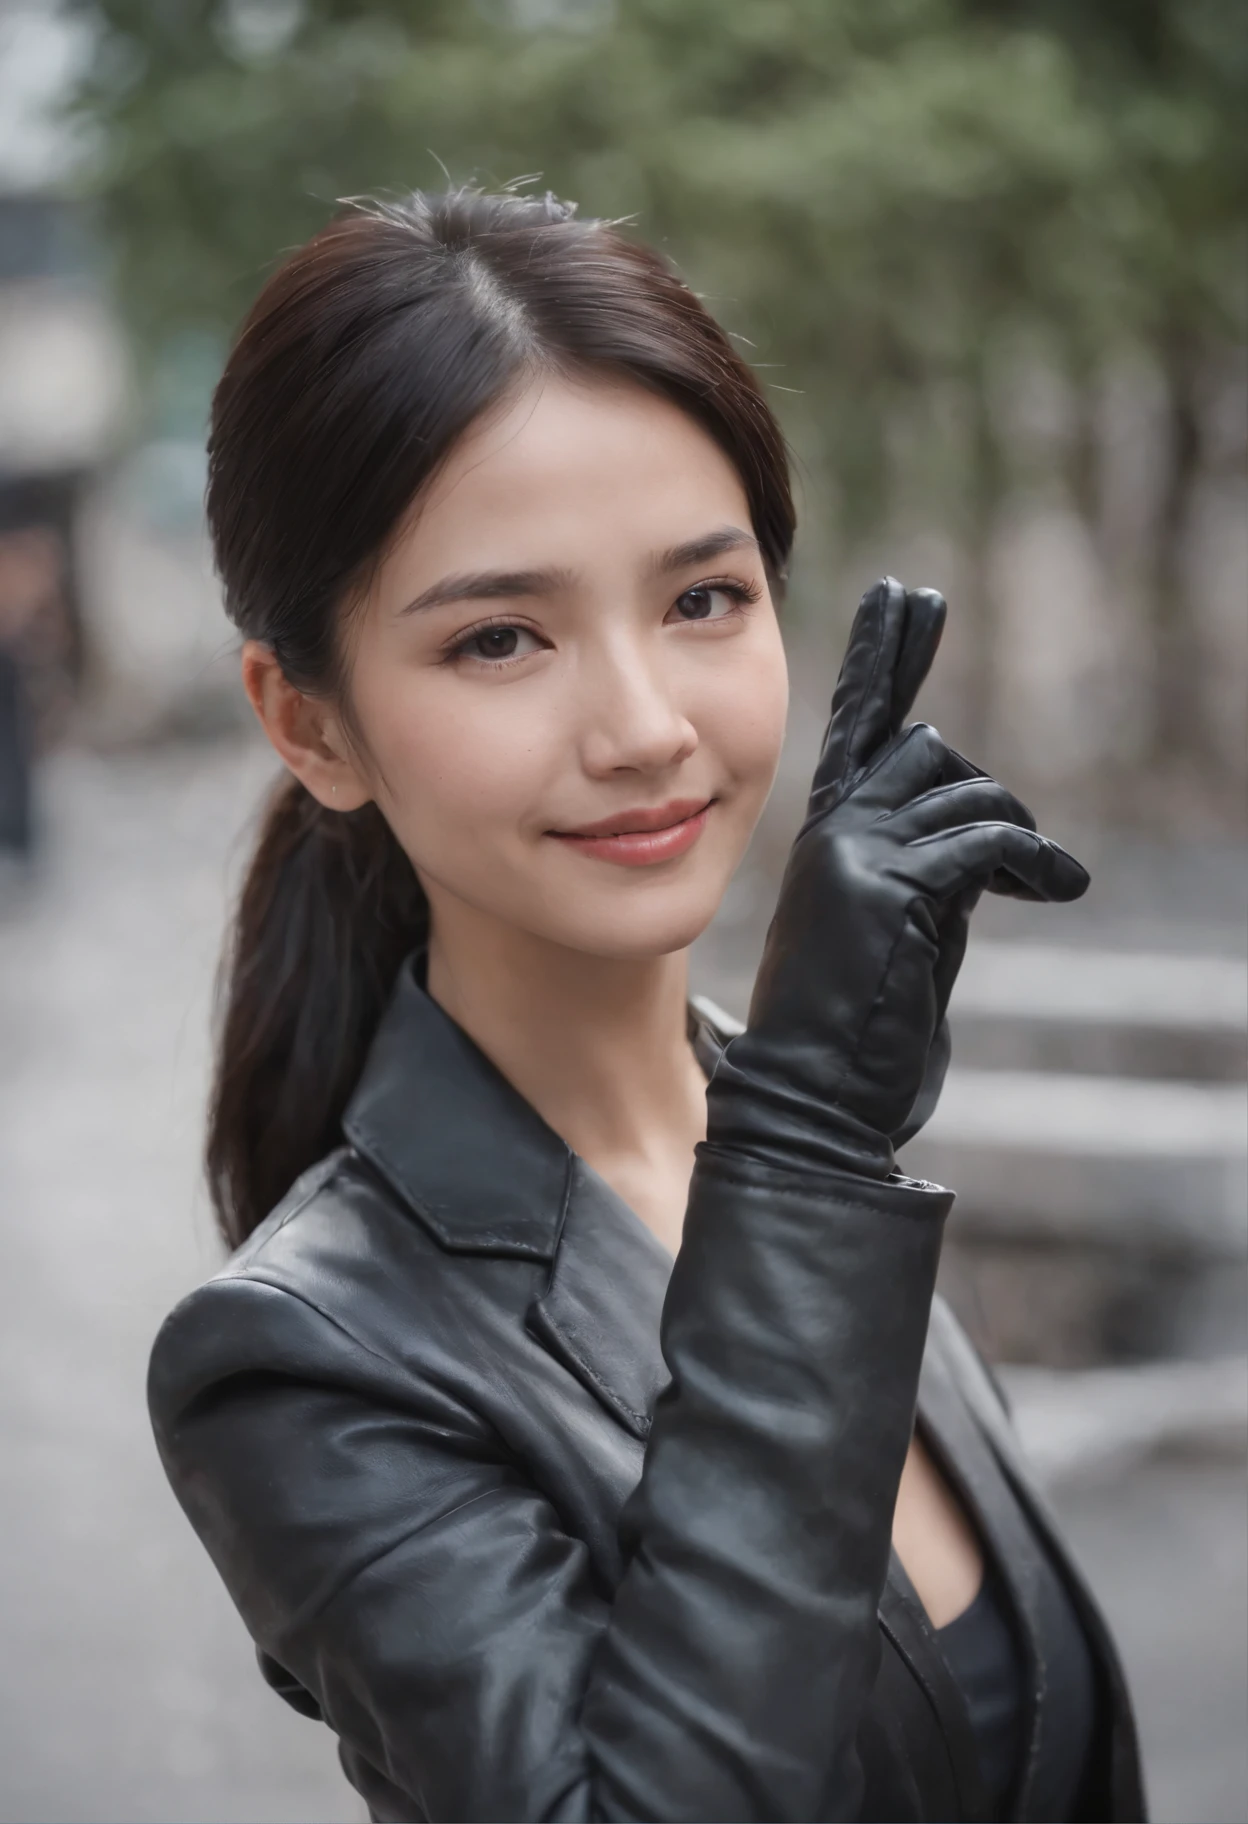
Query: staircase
x,y
1095,1128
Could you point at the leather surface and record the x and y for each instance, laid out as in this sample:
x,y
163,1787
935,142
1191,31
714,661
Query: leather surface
x,y
546,1527
845,1045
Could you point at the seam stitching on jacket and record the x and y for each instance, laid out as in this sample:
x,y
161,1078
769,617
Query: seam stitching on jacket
x,y
300,1298
398,1179
333,1165
852,1203
613,1399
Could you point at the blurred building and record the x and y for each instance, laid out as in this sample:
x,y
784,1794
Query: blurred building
x,y
61,401
109,619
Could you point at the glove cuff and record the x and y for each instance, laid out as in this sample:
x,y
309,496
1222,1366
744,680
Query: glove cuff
x,y
777,1125
897,1194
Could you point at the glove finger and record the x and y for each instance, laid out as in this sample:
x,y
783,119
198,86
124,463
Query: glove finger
x,y
925,622
962,768
947,807
1005,885
861,715
954,860
905,768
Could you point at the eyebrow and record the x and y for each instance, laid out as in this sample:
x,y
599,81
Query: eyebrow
x,y
489,585
503,585
702,550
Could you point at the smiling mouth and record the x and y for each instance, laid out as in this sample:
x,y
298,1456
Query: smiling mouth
x,y
643,819
643,837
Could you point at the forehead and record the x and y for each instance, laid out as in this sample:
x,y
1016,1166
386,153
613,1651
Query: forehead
x,y
567,470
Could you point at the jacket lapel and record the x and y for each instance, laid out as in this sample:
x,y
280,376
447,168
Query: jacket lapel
x,y
600,1311
905,1621
462,1148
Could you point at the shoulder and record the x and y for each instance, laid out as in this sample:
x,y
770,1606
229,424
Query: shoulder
x,y
342,1284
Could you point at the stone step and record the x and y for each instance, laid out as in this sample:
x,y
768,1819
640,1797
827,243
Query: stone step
x,y
1092,1425
1131,988
1101,1012
1091,1160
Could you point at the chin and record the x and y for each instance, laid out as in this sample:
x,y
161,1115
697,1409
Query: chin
x,y
632,931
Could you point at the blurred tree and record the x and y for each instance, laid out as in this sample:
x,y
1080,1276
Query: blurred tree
x,y
894,195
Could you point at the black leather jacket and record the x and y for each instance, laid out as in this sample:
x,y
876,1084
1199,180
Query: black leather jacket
x,y
409,1417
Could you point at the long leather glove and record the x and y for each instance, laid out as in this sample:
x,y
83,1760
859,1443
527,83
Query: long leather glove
x,y
900,838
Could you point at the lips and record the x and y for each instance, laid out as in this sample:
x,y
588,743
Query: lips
x,y
640,838
628,823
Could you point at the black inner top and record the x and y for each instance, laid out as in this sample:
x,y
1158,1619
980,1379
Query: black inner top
x,y
987,1666
982,1651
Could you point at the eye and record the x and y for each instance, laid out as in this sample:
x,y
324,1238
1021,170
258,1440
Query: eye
x,y
496,643
713,601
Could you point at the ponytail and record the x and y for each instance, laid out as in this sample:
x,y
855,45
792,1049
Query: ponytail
x,y
329,909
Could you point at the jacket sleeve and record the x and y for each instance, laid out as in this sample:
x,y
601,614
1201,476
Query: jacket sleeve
x,y
382,1548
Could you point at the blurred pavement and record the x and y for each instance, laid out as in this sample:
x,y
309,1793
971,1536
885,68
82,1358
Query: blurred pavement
x,y
127,1689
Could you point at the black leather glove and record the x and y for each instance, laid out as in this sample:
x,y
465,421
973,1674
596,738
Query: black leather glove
x,y
900,838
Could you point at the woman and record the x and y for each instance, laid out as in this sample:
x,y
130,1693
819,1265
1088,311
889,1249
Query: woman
x,y
543,1524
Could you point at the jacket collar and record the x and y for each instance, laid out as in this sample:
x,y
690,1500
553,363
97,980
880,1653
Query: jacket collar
x,y
480,1168
451,1136
601,1308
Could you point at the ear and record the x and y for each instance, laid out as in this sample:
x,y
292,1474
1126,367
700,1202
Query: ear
x,y
306,731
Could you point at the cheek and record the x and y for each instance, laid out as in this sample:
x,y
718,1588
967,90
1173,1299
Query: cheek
x,y
455,767
743,717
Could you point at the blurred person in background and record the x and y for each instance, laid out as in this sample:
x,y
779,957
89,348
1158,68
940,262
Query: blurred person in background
x,y
36,676
553,1422
15,757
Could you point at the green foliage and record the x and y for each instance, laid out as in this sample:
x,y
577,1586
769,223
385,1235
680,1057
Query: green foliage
x,y
888,198
875,191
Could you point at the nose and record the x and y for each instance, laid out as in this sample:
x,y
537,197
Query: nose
x,y
630,720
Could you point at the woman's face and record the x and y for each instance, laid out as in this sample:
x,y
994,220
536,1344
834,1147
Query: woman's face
x,y
574,633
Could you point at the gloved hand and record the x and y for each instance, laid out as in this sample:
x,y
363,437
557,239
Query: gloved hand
x,y
900,838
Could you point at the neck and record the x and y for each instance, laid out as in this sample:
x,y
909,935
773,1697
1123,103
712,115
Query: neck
x,y
597,1045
